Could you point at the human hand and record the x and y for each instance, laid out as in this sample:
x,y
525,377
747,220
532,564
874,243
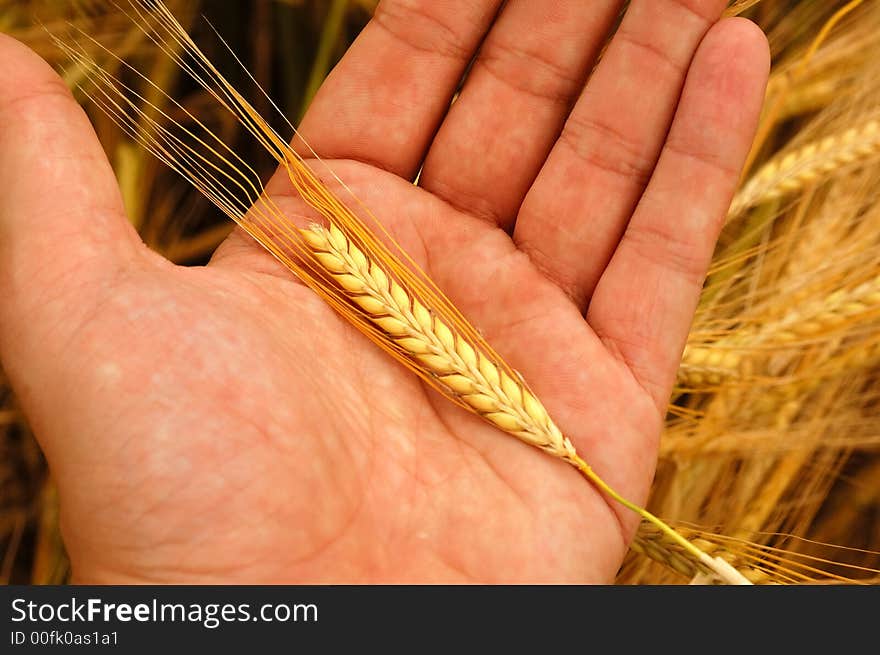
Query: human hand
x,y
222,424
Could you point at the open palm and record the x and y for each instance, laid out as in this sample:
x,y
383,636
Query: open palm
x,y
222,424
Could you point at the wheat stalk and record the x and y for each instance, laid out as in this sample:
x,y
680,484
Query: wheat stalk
x,y
739,6
793,171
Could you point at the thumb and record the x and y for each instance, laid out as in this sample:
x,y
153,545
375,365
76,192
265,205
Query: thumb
x,y
63,229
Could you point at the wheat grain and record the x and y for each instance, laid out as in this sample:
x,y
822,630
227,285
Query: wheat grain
x,y
708,365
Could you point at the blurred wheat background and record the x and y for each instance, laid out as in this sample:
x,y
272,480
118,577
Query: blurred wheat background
x,y
772,438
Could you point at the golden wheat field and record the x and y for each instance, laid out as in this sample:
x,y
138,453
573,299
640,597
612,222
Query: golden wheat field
x,y
770,457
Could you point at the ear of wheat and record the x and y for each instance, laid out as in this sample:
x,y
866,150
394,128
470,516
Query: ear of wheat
x,y
349,261
808,164
760,564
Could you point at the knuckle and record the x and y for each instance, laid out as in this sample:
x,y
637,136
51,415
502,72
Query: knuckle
x,y
414,24
602,145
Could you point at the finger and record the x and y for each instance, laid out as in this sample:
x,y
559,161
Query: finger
x,y
383,102
497,135
62,223
572,218
645,300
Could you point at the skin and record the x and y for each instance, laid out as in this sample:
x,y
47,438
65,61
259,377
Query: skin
x,y
221,424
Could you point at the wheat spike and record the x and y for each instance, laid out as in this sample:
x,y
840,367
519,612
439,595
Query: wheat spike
x,y
759,564
795,170
833,311
712,364
457,365
708,365
656,546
